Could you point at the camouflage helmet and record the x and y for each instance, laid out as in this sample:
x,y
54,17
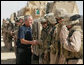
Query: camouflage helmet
x,y
50,18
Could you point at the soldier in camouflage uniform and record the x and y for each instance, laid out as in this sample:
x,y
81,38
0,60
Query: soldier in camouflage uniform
x,y
36,34
17,23
54,46
49,38
10,29
8,35
14,35
70,38
57,57
71,50
45,53
4,26
72,46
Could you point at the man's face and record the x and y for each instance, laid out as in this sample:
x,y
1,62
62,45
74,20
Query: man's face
x,y
29,21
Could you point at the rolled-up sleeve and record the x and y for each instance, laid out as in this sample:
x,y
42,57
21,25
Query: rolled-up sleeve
x,y
22,34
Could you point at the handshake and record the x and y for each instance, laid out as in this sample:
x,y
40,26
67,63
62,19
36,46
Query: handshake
x,y
36,42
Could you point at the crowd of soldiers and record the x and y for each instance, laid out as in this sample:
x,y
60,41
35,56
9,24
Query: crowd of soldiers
x,y
60,40
9,32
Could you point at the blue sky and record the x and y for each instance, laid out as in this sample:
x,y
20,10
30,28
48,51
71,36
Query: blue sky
x,y
80,6
8,7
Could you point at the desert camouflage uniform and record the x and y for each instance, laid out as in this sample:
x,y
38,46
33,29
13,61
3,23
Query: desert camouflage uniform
x,y
50,42
9,39
16,26
72,46
14,35
71,50
4,28
7,35
67,20
45,40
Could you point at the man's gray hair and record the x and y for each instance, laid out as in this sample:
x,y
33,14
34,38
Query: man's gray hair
x,y
27,17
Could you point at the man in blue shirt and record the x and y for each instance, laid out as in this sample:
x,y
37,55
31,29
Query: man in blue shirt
x,y
24,42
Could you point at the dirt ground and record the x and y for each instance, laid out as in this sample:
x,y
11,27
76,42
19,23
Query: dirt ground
x,y
6,56
9,57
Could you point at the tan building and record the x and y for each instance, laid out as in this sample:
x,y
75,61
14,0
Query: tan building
x,y
38,8
34,8
70,6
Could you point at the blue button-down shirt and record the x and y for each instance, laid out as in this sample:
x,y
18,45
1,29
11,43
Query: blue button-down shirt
x,y
24,33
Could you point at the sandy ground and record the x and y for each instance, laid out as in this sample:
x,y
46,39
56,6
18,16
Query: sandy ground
x,y
7,57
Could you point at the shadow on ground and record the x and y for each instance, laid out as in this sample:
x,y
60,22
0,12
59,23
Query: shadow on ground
x,y
4,49
8,61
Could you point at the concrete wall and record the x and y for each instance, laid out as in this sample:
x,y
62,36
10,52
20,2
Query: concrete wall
x,y
70,6
31,8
